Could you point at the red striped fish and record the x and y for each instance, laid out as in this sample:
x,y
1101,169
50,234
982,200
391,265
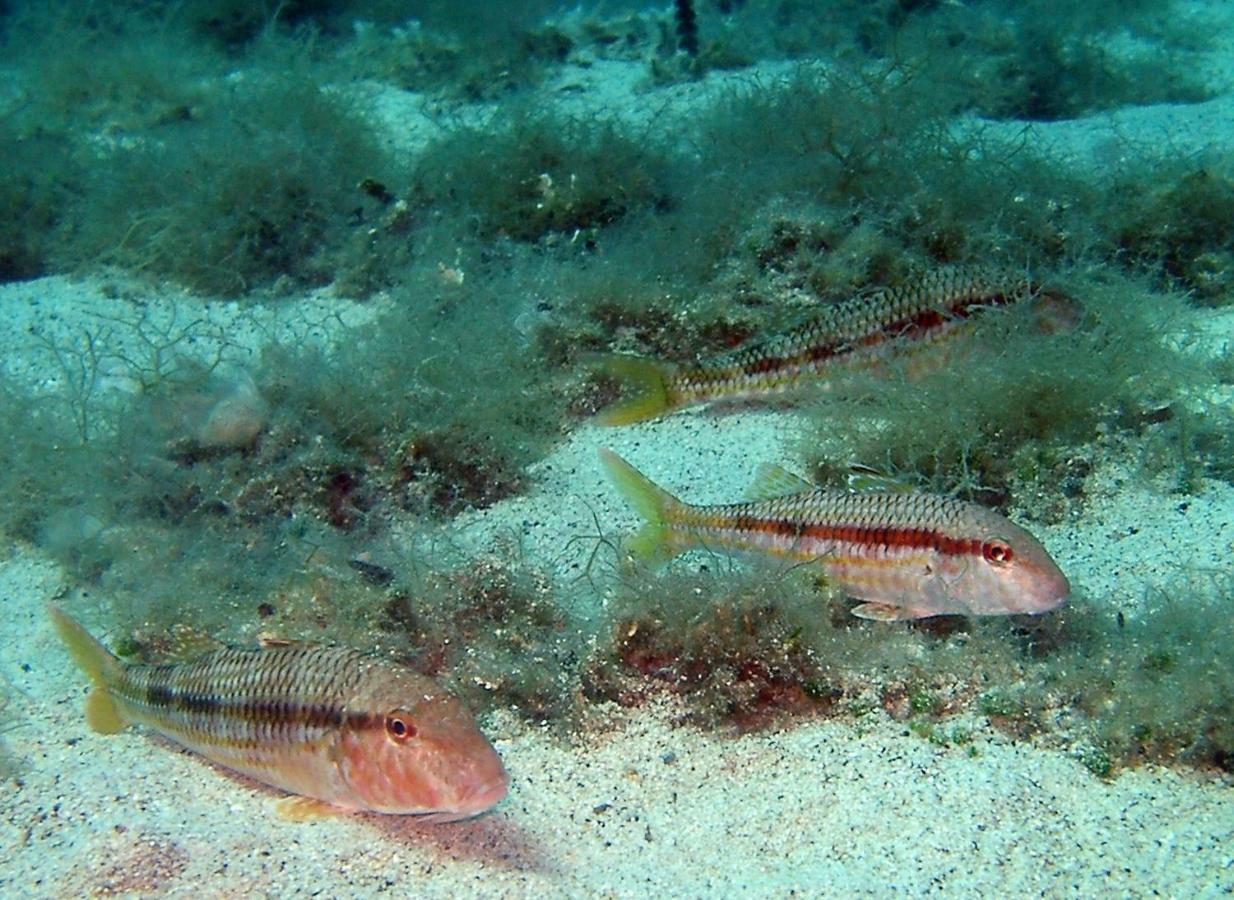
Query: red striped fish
x,y
906,555
337,727
896,322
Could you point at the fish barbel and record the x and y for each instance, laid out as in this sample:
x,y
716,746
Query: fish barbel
x,y
337,727
892,323
906,555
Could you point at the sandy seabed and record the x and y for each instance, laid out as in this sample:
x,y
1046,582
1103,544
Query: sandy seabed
x,y
634,804
636,807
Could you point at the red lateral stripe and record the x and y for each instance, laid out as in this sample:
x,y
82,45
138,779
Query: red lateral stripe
x,y
765,364
870,536
921,322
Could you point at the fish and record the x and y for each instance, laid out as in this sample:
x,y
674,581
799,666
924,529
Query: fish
x,y
918,315
903,554
337,728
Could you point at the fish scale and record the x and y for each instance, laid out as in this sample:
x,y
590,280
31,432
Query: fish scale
x,y
821,522
261,701
335,726
923,310
900,322
906,555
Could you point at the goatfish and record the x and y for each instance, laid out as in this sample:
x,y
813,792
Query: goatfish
x,y
896,322
905,555
339,729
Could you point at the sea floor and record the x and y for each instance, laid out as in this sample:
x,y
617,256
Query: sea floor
x,y
633,805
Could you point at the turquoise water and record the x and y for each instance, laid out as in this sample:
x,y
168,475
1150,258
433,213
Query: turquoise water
x,y
312,309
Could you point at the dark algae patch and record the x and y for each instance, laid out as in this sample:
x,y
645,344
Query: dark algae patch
x,y
765,649
480,235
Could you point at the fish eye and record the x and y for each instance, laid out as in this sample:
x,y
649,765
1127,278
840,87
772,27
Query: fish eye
x,y
399,725
997,552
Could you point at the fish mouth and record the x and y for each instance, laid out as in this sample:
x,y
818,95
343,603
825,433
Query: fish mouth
x,y
1046,603
469,805
485,797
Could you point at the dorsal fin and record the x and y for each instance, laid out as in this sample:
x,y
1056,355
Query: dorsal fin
x,y
863,479
175,644
771,481
188,643
268,641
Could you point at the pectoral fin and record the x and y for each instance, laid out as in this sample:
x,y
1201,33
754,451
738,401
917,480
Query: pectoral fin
x,y
880,612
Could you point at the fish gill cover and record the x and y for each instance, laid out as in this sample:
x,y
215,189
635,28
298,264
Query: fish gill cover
x,y
327,329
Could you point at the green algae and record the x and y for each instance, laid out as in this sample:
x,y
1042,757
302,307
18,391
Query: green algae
x,y
1014,410
280,214
749,652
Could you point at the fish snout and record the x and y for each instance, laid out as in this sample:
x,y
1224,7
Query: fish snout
x,y
1043,587
476,780
483,796
471,796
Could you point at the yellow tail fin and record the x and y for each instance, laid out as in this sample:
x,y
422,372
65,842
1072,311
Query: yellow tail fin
x,y
100,665
647,380
652,502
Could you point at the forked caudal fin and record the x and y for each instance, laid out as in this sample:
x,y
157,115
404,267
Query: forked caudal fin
x,y
648,384
101,666
650,501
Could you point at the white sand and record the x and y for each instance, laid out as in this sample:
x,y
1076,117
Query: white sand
x,y
638,807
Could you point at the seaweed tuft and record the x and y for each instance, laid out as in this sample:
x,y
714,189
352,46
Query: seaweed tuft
x,y
11,764
1165,694
540,176
443,472
497,630
259,188
1184,225
734,647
